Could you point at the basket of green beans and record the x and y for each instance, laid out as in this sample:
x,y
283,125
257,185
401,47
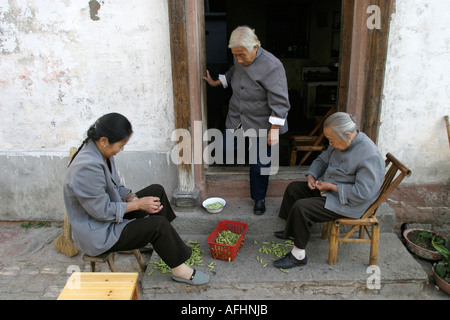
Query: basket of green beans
x,y
227,239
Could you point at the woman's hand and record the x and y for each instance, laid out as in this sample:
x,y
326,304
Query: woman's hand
x,y
274,135
210,81
324,186
151,205
311,182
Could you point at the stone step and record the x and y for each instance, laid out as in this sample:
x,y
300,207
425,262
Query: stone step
x,y
198,221
233,181
246,278
399,274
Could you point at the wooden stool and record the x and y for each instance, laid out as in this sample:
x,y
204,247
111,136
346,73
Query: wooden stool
x,y
109,258
101,286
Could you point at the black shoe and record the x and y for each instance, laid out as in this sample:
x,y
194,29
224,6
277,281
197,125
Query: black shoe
x,y
281,235
259,208
289,261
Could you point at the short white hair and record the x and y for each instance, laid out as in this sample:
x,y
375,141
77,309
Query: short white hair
x,y
341,123
244,36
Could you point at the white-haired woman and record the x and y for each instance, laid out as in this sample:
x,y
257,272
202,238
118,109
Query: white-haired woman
x,y
259,102
342,182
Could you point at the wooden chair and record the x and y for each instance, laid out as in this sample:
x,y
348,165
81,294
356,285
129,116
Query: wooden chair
x,y
109,258
368,222
310,143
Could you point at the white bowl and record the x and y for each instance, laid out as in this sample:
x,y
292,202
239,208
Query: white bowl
x,y
211,201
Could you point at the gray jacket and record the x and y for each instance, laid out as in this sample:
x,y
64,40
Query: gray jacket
x,y
93,198
358,173
260,94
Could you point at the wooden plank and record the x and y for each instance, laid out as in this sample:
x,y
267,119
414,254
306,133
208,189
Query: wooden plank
x,y
100,286
375,69
180,69
348,8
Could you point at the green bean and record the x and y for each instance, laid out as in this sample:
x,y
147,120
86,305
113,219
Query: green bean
x,y
227,237
215,205
195,259
276,249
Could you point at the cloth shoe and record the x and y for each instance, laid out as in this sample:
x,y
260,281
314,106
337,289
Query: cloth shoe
x,y
289,261
198,278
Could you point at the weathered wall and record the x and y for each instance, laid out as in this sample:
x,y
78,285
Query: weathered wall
x,y
417,90
65,63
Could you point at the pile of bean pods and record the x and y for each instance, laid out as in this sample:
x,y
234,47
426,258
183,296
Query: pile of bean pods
x,y
273,248
227,237
195,259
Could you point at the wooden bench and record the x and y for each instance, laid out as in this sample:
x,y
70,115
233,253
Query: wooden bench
x,y
109,258
101,286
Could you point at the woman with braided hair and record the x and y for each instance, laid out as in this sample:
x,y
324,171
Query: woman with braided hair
x,y
108,217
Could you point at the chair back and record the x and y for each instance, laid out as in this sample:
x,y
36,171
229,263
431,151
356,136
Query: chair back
x,y
395,173
322,120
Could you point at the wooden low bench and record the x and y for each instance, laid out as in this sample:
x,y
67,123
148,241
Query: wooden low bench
x,y
101,286
109,258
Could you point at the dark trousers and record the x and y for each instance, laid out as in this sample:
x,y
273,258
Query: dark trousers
x,y
259,182
155,229
301,208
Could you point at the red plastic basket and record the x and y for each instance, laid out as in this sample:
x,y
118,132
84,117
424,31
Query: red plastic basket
x,y
222,251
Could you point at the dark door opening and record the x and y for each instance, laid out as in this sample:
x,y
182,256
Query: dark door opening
x,y
303,34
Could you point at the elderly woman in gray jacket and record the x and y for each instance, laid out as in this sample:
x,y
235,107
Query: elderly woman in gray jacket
x,y
342,182
260,103
107,217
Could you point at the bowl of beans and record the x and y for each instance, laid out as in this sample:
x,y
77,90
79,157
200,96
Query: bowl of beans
x,y
214,205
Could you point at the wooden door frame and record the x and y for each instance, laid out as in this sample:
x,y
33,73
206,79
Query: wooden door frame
x,y
361,74
188,53
363,62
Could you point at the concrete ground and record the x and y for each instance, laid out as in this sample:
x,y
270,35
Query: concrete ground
x,y
31,268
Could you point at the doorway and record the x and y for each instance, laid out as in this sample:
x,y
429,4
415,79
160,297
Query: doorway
x,y
303,34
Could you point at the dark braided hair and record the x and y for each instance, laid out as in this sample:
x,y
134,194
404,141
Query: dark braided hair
x,y
113,126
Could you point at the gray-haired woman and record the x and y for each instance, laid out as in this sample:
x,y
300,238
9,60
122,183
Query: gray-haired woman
x,y
342,182
259,102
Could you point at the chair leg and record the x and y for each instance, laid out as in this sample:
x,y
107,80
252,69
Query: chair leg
x,y
334,243
92,266
111,263
293,157
140,260
374,244
362,232
325,227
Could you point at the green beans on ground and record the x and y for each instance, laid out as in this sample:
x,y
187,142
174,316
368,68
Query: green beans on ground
x,y
195,259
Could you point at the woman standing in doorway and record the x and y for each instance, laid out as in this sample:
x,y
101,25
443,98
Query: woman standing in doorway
x,y
260,101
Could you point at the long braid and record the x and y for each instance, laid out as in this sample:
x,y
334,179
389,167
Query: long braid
x,y
91,135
